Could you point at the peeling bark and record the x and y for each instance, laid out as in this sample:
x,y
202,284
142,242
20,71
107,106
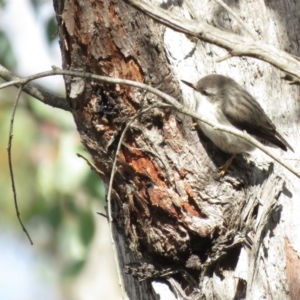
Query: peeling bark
x,y
171,213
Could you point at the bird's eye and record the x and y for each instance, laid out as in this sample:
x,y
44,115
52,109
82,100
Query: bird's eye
x,y
204,92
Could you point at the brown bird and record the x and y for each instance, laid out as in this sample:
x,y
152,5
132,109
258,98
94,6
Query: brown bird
x,y
223,101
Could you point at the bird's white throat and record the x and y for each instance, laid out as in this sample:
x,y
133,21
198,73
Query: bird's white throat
x,y
212,111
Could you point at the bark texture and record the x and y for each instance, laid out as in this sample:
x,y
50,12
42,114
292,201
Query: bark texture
x,y
171,212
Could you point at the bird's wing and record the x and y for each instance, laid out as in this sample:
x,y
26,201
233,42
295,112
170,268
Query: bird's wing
x,y
254,121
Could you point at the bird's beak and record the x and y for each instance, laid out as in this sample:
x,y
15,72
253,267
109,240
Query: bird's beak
x,y
189,84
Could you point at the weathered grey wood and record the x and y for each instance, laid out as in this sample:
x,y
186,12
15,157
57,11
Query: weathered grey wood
x,y
264,268
169,206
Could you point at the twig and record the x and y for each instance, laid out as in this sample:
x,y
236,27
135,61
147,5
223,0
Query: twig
x,y
112,174
224,57
102,215
170,100
38,93
9,146
233,43
238,19
93,167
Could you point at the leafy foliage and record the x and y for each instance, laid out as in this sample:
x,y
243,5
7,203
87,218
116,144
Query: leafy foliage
x,y
7,57
51,29
58,193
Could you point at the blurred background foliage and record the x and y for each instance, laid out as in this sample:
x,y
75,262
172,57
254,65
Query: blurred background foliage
x,y
58,194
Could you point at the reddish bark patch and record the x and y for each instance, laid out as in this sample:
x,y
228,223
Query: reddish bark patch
x,y
292,269
141,164
161,198
191,209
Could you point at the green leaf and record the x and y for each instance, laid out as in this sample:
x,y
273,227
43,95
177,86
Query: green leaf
x,y
7,57
94,186
51,29
86,227
2,3
35,4
74,268
55,215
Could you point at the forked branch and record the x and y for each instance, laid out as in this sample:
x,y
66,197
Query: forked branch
x,y
236,45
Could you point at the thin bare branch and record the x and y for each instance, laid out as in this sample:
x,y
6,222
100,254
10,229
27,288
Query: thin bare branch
x,y
170,100
102,215
112,175
236,45
9,147
38,93
92,166
222,58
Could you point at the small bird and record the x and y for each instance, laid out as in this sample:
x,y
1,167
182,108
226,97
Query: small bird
x,y
223,101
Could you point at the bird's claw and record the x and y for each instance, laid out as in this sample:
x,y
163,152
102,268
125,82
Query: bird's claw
x,y
223,169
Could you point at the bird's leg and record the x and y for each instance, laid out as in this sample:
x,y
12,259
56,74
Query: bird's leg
x,y
194,126
223,169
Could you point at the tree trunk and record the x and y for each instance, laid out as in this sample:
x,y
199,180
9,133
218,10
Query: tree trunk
x,y
174,221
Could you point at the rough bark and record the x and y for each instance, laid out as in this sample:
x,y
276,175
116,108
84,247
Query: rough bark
x,y
170,209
